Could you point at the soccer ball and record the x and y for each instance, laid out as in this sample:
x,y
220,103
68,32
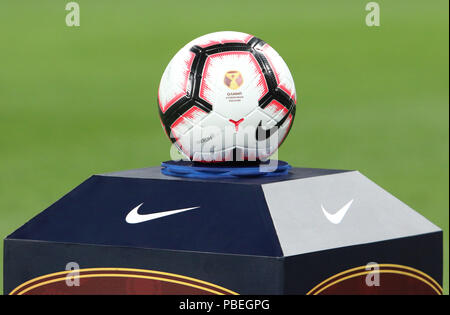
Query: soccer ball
x,y
227,96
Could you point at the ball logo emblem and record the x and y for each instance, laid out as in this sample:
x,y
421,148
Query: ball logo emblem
x,y
233,79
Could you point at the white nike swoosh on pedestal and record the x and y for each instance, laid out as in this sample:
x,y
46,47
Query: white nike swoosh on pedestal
x,y
339,215
134,217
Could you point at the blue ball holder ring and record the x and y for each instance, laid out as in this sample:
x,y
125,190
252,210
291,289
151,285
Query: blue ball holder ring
x,y
190,169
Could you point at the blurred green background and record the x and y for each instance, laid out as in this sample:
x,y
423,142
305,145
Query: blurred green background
x,y
81,100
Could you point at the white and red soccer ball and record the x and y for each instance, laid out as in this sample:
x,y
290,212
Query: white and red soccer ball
x,y
227,96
